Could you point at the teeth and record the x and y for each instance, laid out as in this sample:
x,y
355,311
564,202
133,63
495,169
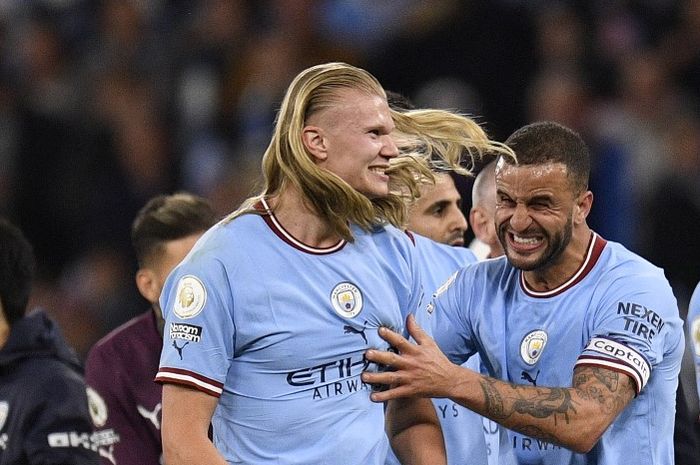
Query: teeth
x,y
525,240
377,170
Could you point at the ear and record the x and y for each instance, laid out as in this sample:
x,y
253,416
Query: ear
x,y
583,206
315,142
477,220
147,284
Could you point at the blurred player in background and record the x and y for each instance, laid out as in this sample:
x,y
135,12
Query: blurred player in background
x,y
481,215
44,415
125,403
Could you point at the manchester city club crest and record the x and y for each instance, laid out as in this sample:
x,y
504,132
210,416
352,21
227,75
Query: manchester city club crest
x,y
346,299
532,346
190,298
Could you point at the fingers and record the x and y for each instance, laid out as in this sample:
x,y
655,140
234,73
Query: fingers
x,y
416,332
383,357
393,338
390,394
386,378
401,343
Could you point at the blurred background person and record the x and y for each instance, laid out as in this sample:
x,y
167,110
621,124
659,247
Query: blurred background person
x,y
125,402
482,214
43,407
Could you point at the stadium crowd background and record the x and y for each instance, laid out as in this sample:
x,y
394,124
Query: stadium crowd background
x,y
105,103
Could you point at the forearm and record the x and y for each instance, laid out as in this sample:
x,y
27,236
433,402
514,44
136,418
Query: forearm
x,y
185,426
190,451
573,417
414,432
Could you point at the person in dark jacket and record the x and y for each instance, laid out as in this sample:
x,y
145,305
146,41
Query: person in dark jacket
x,y
44,416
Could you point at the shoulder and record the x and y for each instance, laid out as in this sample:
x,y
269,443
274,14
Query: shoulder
x,y
492,270
386,238
117,343
620,260
51,379
624,269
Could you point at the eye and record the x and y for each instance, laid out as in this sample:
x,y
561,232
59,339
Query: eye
x,y
374,132
504,201
438,211
539,204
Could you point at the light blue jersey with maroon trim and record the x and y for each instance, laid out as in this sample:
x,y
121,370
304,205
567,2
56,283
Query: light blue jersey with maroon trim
x,y
278,330
617,311
461,428
694,331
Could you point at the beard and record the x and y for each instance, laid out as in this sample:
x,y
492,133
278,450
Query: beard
x,y
556,244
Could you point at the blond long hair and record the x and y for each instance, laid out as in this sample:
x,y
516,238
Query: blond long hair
x,y
427,139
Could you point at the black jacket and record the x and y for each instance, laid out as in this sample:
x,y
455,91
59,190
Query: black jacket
x,y
44,416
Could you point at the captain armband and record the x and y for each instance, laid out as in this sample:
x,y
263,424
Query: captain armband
x,y
606,353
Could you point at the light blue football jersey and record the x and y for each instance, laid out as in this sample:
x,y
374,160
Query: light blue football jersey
x,y
278,331
465,432
694,331
617,311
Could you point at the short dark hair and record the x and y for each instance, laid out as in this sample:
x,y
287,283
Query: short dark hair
x,y
17,265
548,142
398,101
166,218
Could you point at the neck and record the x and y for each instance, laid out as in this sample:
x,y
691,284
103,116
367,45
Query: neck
x,y
564,267
301,221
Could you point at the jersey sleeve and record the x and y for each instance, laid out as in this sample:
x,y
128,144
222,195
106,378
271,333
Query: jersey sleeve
x,y
636,325
199,332
446,320
693,325
61,431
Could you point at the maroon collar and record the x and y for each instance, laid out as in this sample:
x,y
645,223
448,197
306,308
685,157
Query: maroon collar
x,y
274,224
595,248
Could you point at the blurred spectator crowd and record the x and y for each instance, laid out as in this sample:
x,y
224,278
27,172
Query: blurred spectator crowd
x,y
105,103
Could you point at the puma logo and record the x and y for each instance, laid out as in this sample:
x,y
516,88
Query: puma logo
x,y
152,416
107,453
347,329
179,349
526,376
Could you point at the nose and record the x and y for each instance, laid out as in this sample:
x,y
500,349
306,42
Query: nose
x,y
520,219
458,220
389,148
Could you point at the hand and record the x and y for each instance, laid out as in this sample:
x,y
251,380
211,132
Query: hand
x,y
419,370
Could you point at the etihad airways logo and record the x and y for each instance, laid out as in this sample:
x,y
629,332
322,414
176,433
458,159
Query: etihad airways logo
x,y
335,378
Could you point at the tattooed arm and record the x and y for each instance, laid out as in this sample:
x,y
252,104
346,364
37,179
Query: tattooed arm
x,y
574,417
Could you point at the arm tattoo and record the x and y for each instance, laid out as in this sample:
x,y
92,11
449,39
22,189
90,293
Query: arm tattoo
x,y
611,390
536,402
512,404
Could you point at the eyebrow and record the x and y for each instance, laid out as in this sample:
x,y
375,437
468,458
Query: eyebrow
x,y
540,198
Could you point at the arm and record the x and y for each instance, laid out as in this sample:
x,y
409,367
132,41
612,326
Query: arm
x,y
414,432
58,425
186,417
574,417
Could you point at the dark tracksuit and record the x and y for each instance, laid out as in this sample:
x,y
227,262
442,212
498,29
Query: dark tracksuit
x,y
44,416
